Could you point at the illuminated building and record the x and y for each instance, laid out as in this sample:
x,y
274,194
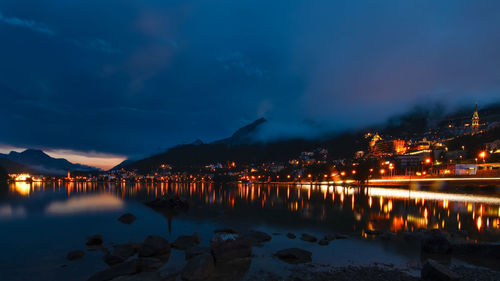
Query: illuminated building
x,y
475,121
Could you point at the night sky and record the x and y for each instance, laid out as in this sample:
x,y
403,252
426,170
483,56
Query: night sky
x,y
115,77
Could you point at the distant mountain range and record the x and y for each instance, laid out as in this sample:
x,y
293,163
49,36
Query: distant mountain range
x,y
37,161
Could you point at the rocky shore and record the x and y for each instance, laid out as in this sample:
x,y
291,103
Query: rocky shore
x,y
230,252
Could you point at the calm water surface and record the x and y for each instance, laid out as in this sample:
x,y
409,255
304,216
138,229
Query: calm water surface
x,y
41,222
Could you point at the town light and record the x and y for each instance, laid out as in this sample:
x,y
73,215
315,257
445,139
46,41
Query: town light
x,y
342,173
482,155
428,160
382,171
353,172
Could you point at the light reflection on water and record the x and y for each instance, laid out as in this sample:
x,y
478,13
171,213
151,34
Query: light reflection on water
x,y
348,209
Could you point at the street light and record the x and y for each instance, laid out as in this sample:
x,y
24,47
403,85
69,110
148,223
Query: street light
x,y
482,154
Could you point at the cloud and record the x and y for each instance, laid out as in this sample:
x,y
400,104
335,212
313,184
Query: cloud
x,y
26,23
96,44
238,61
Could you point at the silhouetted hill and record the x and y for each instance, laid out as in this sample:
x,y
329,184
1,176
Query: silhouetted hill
x,y
39,161
244,135
243,148
13,167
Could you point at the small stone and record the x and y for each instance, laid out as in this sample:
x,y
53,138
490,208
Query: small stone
x,y
121,253
226,230
198,268
373,232
143,276
75,255
433,271
291,235
323,242
294,256
341,236
126,268
127,218
308,238
330,237
94,240
388,236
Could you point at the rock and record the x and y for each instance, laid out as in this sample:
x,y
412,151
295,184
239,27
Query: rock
x,y
75,255
373,232
330,237
484,250
341,236
435,242
173,202
291,235
220,237
154,246
230,250
323,242
149,264
184,242
143,276
196,251
294,256
388,236
413,236
127,218
126,268
94,240
121,253
198,268
226,230
308,238
433,271
255,237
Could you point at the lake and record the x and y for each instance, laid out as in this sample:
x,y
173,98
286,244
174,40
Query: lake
x,y
41,222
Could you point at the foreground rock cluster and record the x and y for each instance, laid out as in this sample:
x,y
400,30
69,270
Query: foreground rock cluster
x,y
228,256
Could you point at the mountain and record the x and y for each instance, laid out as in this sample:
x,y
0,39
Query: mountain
x,y
242,147
37,160
13,167
244,135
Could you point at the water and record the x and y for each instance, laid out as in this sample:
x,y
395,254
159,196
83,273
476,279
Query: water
x,y
41,222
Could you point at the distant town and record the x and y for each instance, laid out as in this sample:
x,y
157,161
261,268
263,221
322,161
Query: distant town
x,y
453,151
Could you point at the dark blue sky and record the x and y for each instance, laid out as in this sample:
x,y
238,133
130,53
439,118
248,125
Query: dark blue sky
x,y
129,77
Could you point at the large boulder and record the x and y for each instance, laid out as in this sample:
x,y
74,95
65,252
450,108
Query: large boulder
x,y
122,269
127,218
153,246
433,271
291,235
230,250
196,251
198,268
308,238
435,242
149,264
184,242
294,256
121,253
